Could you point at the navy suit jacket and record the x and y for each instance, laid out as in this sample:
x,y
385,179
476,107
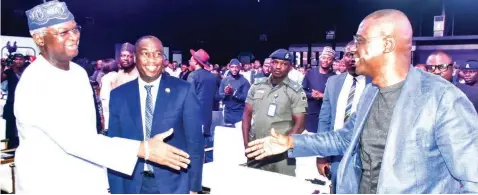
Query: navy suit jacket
x,y
206,86
331,97
178,109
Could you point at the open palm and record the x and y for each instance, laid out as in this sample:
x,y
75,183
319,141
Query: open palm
x,y
268,146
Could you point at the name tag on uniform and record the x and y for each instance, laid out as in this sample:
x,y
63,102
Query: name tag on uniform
x,y
272,109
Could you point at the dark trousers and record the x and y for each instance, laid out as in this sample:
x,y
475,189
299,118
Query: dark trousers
x,y
312,122
11,133
334,165
149,186
209,142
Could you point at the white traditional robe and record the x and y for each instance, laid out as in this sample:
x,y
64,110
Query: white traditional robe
x,y
60,150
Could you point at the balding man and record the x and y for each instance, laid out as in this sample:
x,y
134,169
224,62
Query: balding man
x,y
441,64
412,132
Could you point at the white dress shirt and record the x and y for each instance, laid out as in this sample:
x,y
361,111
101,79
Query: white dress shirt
x,y
142,97
60,150
173,73
343,97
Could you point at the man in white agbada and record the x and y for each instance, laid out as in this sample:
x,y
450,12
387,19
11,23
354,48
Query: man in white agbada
x,y
60,151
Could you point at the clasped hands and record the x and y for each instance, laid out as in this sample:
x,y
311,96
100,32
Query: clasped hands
x,y
270,145
163,153
228,90
317,94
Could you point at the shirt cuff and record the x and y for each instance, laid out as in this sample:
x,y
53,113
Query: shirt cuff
x,y
300,149
249,101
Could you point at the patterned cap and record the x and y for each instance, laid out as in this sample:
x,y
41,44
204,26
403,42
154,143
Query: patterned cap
x,y
282,54
328,51
48,14
470,65
128,47
235,62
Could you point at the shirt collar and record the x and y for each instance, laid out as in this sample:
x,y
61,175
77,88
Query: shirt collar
x,y
359,77
286,80
155,83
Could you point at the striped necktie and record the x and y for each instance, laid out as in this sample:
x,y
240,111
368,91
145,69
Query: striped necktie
x,y
148,119
350,100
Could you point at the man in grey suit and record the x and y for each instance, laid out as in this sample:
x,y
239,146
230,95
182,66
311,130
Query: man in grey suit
x,y
342,94
413,132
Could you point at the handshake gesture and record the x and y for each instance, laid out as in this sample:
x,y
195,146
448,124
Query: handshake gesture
x,y
270,145
163,153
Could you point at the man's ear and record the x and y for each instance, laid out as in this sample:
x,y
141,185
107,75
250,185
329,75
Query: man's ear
x,y
390,44
39,39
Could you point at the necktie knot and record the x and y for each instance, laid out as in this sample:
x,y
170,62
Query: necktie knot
x,y
148,88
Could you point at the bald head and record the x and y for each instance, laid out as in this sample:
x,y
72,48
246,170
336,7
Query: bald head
x,y
439,57
390,22
384,44
440,63
148,38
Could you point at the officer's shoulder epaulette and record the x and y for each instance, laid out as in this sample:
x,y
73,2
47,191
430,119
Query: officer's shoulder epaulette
x,y
258,81
295,86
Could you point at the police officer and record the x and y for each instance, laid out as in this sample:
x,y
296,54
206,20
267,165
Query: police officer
x,y
275,102
233,92
470,75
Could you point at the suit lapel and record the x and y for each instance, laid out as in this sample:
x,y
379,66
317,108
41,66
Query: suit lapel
x,y
135,109
162,100
339,86
404,116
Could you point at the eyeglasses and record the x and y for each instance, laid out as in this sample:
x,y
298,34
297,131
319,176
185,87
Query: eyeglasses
x,y
360,40
76,30
440,67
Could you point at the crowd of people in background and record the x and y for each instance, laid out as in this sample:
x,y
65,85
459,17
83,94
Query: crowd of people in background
x,y
348,104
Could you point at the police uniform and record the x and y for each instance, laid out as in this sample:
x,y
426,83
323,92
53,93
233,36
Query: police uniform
x,y
470,91
273,107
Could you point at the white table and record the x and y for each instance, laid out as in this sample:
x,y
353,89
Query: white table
x,y
224,179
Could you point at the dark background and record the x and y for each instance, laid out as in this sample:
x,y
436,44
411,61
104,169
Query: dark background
x,y
226,27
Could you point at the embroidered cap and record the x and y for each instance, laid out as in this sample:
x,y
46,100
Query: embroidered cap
x,y
48,14
281,54
128,47
328,51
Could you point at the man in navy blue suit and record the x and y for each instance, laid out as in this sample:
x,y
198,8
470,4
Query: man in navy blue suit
x,y
342,93
150,105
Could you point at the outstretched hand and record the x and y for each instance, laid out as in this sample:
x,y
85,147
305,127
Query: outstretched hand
x,y
268,146
165,154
